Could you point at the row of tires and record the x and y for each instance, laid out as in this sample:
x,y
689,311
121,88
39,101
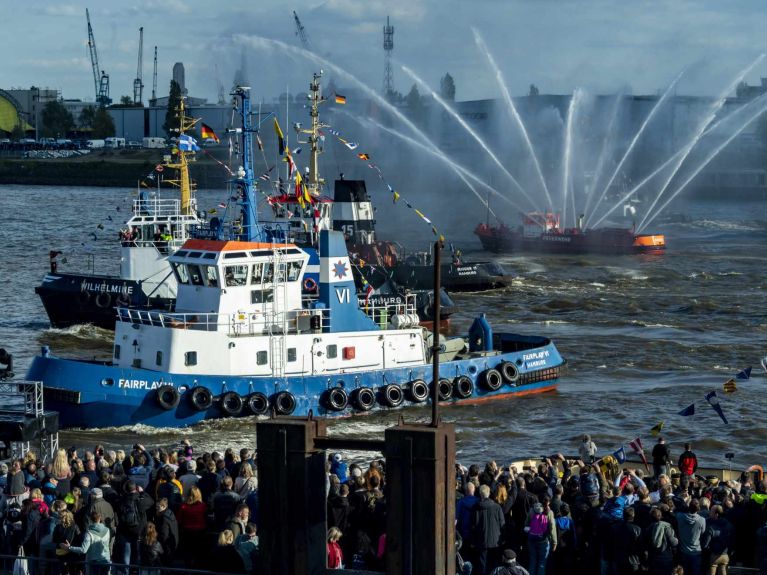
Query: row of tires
x,y
104,300
337,398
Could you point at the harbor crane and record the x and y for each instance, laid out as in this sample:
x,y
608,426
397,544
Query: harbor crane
x,y
100,78
301,33
154,80
138,83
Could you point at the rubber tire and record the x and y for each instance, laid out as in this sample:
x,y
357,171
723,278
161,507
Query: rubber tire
x,y
363,398
105,301
168,403
201,398
463,387
492,379
418,391
509,371
336,399
392,395
258,403
284,403
232,404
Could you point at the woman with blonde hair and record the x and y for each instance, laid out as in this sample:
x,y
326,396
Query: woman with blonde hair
x,y
151,550
225,558
61,471
66,531
246,482
335,555
192,523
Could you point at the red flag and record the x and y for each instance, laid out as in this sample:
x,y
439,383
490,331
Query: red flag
x,y
636,445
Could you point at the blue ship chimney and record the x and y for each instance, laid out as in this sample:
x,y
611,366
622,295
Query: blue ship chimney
x,y
338,294
480,335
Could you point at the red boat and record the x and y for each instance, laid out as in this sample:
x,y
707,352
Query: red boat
x,y
543,232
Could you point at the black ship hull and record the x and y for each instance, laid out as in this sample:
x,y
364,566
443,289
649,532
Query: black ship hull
x,y
455,277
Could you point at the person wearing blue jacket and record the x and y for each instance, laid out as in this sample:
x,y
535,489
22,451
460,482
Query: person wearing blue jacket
x,y
95,547
339,468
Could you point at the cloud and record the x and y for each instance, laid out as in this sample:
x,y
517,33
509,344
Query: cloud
x,y
63,10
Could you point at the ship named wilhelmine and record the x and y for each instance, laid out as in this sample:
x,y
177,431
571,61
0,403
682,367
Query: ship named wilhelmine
x,y
244,338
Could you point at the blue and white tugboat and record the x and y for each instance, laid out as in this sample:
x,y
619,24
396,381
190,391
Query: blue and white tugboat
x,y
244,340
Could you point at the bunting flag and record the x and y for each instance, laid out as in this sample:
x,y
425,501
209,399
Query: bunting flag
x,y
636,445
159,168
620,455
212,211
365,157
297,150
744,374
259,143
340,99
264,176
207,133
395,196
764,363
730,386
280,137
713,401
350,145
222,204
655,431
187,143
420,214
688,411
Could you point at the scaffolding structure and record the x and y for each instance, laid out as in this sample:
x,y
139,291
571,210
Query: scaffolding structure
x,y
388,46
28,425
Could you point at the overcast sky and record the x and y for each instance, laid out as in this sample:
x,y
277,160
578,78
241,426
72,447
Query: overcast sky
x,y
558,45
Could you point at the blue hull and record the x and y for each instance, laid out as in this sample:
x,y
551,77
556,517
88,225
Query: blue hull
x,y
90,394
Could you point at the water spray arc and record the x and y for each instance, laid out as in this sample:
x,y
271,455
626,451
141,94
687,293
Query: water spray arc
x,y
567,155
634,141
705,122
469,130
513,112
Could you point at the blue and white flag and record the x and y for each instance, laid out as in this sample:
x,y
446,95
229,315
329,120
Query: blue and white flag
x,y
687,411
745,374
620,455
187,143
713,401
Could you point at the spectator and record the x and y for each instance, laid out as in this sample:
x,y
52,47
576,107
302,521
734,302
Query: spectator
x,y
541,536
239,520
246,481
225,557
167,530
717,540
224,503
335,555
192,519
95,547
691,528
486,530
661,458
688,461
587,449
131,523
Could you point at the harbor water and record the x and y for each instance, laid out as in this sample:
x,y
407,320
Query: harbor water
x,y
644,336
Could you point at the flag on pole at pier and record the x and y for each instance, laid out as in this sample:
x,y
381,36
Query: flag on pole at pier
x,y
636,445
744,374
655,431
713,401
340,99
207,132
687,411
730,386
620,455
280,137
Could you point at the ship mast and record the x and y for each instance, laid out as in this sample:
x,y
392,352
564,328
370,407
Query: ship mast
x,y
245,183
314,182
181,164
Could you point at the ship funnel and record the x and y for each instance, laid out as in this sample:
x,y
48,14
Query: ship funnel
x,y
580,221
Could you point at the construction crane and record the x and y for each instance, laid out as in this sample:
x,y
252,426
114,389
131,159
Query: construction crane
x,y
138,83
154,80
301,32
100,78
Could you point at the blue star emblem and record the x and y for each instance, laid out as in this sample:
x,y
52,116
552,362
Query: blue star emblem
x,y
339,269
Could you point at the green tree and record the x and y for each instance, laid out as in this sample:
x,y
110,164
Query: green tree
x,y
103,124
447,88
126,101
85,119
171,116
18,132
57,121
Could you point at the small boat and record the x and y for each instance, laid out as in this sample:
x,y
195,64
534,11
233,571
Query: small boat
x,y
244,338
543,232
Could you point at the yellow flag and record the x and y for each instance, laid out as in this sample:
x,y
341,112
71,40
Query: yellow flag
x,y
730,386
655,431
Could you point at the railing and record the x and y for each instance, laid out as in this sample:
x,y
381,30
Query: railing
x,y
157,207
40,564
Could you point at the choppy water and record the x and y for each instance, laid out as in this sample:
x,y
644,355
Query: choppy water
x,y
644,336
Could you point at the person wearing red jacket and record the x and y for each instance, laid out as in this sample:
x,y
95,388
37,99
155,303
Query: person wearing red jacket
x,y
688,461
335,555
192,522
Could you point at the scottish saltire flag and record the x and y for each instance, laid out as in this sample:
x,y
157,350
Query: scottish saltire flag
x,y
713,401
638,448
744,374
187,143
620,455
687,411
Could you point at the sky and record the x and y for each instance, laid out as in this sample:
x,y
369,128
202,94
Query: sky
x,y
558,45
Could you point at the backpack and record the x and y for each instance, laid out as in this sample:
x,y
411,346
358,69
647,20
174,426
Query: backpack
x,y
130,519
539,524
565,534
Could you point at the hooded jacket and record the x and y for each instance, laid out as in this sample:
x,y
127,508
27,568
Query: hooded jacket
x,y
95,545
691,526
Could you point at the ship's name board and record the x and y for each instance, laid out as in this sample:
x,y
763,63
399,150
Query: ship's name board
x,y
106,288
556,238
140,384
467,271
537,359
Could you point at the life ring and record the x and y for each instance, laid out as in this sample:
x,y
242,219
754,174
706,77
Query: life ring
x,y
336,398
122,300
757,468
168,397
284,403
418,391
231,404
310,285
509,371
258,403
444,389
103,300
84,297
492,379
391,395
201,398
463,387
363,398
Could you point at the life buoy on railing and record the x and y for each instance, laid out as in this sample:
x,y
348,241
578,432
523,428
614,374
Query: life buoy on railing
x,y
284,403
84,297
492,379
463,387
363,398
418,391
103,300
168,397
509,371
757,468
258,403
391,395
310,285
336,398
231,404
201,398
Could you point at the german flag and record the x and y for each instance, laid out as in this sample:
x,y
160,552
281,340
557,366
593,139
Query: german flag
x,y
730,386
365,157
207,133
340,99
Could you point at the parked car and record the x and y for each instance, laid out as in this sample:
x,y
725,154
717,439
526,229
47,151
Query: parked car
x,y
133,145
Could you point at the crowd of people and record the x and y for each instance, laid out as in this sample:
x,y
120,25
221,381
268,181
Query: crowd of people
x,y
100,511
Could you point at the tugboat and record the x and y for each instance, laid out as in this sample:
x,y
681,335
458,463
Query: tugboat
x,y
158,226
244,339
543,232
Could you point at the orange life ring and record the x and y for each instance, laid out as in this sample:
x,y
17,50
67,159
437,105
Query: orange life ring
x,y
758,468
310,285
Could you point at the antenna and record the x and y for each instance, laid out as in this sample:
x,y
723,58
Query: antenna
x,y
388,46
138,83
154,80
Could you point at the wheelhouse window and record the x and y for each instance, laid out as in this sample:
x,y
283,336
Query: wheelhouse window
x,y
179,270
158,358
211,275
195,275
117,351
332,351
236,275
294,271
262,273
292,354
190,358
262,357
261,296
